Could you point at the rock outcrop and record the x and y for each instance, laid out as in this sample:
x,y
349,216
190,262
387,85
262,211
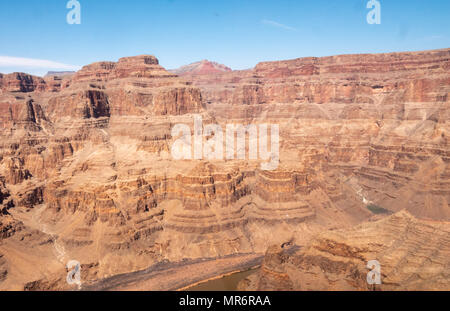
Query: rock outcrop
x,y
413,254
21,83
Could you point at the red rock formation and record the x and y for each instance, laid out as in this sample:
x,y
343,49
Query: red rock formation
x,y
144,66
86,160
203,67
21,82
413,255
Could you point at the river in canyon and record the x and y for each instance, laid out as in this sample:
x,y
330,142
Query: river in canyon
x,y
226,283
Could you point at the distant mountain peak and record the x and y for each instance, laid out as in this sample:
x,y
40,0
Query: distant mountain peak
x,y
59,73
201,68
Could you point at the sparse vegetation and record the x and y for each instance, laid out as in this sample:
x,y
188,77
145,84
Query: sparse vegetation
x,y
377,209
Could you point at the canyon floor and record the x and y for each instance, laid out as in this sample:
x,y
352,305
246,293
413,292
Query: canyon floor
x,y
87,174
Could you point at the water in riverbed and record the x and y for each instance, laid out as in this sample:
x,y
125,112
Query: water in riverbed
x,y
227,283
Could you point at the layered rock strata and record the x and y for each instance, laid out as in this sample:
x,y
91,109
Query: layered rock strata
x,y
412,254
87,174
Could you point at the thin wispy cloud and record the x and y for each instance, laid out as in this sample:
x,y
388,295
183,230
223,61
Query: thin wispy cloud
x,y
9,61
278,25
435,37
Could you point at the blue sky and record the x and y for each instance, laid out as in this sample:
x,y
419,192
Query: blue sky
x,y
35,37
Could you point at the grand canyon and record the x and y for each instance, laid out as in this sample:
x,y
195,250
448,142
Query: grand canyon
x,y
86,174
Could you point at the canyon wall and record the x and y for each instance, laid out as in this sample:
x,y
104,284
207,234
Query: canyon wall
x,y
412,254
86,171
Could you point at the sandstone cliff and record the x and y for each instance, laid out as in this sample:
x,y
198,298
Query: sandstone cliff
x,y
86,172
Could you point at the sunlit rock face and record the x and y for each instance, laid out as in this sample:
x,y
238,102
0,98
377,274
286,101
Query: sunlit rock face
x,y
412,255
86,171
